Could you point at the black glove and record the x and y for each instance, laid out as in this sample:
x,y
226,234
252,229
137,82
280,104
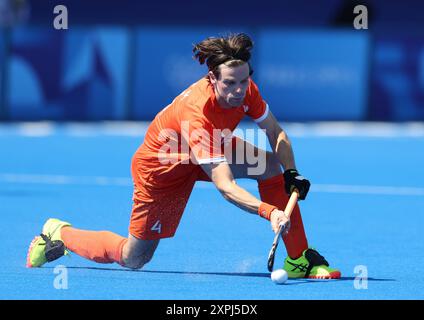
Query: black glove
x,y
295,181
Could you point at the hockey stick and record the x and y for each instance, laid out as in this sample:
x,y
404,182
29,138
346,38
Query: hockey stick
x,y
282,227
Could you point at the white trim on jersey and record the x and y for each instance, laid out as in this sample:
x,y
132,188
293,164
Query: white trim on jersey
x,y
212,160
262,118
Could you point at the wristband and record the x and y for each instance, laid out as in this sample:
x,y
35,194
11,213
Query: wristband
x,y
265,210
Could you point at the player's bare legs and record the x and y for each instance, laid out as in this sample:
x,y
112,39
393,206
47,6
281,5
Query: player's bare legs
x,y
136,252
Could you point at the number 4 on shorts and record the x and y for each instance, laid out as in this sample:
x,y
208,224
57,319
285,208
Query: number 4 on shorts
x,y
157,227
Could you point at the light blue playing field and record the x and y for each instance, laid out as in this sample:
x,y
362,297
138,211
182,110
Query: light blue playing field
x,y
364,214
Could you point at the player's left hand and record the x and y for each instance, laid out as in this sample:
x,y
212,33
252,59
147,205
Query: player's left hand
x,y
294,180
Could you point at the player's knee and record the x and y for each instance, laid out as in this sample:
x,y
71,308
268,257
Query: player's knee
x,y
135,265
136,253
147,259
138,262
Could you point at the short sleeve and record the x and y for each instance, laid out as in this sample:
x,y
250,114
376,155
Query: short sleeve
x,y
205,142
257,108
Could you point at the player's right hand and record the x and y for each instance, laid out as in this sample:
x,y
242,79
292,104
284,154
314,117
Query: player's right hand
x,y
278,217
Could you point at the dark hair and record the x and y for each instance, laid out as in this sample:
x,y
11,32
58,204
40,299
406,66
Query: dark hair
x,y
231,50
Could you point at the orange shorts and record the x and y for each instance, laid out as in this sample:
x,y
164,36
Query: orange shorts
x,y
160,216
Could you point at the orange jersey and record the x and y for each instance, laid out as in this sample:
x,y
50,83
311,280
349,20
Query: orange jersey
x,y
188,132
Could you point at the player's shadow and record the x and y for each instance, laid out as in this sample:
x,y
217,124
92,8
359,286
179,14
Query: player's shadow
x,y
229,274
367,278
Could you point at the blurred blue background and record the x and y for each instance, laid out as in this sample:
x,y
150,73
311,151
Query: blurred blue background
x,y
126,60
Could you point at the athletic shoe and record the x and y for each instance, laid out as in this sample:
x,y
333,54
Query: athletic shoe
x,y
48,246
310,265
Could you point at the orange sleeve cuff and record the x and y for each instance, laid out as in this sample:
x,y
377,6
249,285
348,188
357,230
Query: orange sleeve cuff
x,y
265,210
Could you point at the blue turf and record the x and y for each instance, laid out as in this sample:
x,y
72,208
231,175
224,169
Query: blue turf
x,y
219,252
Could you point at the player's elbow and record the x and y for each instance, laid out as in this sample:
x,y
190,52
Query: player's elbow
x,y
226,188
